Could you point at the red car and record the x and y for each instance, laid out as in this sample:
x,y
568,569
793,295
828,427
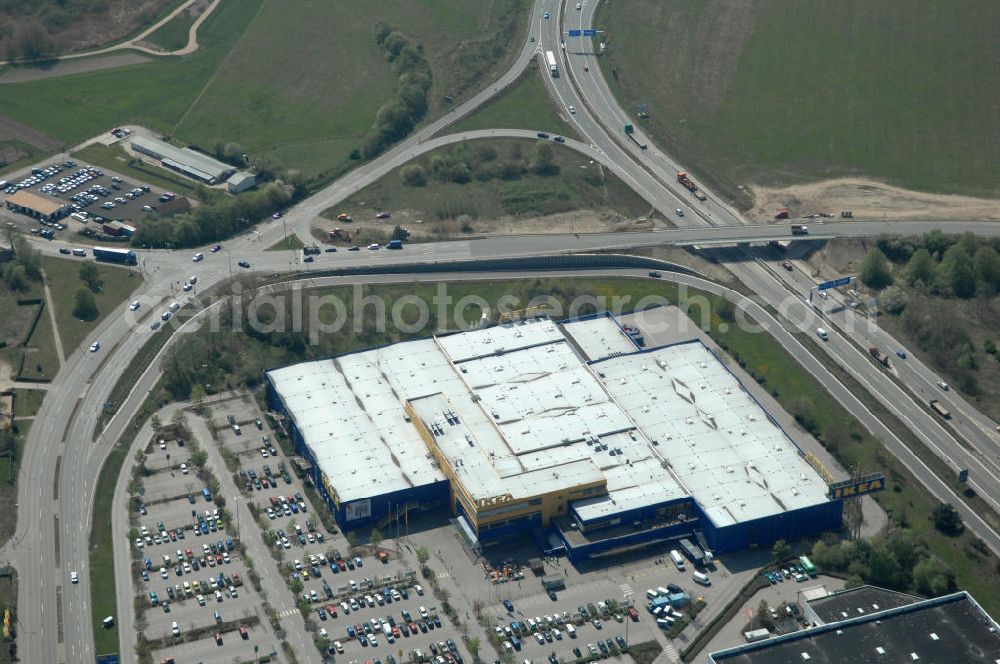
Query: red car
x,y
244,634
786,265
218,638
633,614
342,565
332,610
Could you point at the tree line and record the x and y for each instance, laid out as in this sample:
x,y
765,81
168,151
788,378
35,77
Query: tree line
x,y
224,217
960,266
462,164
397,117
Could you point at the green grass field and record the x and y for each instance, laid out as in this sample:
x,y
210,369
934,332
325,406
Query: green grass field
x,y
174,34
64,280
524,105
781,91
27,402
17,318
282,84
154,94
41,360
579,185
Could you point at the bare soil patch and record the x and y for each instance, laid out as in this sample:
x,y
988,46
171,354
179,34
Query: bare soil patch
x,y
579,221
18,74
868,200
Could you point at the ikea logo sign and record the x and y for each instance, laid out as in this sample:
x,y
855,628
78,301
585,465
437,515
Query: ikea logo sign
x,y
850,488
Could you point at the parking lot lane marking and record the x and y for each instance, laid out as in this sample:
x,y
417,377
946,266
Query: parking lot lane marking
x,y
670,652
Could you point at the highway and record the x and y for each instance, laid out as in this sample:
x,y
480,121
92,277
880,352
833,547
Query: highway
x,y
62,462
600,118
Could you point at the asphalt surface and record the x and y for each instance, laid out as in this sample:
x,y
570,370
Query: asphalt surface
x,y
62,461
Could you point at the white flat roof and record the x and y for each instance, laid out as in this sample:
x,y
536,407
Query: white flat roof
x,y
348,412
599,337
736,462
516,412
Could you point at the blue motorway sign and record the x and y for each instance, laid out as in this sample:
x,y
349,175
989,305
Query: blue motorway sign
x,y
574,33
843,281
589,32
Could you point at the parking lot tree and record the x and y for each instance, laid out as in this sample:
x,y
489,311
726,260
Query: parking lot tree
x,y
376,537
84,307
781,551
296,586
91,276
156,423
199,457
473,645
423,555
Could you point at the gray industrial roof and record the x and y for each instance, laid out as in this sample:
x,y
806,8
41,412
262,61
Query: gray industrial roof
x,y
947,630
856,602
186,159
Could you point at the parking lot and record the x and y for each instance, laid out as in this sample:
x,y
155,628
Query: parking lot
x,y
300,564
95,197
189,573
234,647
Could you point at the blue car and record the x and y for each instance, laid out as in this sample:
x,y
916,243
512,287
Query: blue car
x,y
509,605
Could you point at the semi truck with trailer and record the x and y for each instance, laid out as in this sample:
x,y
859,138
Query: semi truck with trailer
x,y
698,556
550,59
115,255
689,184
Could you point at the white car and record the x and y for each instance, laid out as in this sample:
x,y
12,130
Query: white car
x,y
943,385
163,572
74,577
96,346
197,257
174,629
184,469
374,246
135,305
572,109
187,287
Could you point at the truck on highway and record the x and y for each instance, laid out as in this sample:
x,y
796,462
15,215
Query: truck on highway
x,y
114,255
630,132
550,58
879,356
940,410
799,229
394,244
689,184
311,250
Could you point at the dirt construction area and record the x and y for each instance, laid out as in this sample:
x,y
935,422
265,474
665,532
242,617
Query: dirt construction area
x,y
868,200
